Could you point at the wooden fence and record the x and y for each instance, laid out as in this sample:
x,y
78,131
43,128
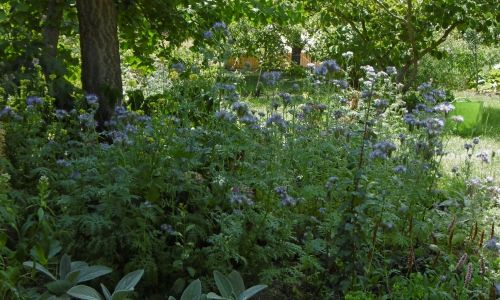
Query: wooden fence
x,y
252,63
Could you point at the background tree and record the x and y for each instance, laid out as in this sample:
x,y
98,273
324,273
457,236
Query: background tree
x,y
400,33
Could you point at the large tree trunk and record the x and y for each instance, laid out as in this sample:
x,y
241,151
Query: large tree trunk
x,y
53,71
101,74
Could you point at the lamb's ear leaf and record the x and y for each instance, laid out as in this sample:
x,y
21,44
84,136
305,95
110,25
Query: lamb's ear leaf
x,y
31,264
236,282
84,292
223,285
250,292
129,281
193,291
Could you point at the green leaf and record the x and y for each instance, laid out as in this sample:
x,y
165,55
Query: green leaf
x,y
64,266
216,297
105,292
249,293
171,298
84,292
193,291
58,287
54,248
73,276
92,272
77,265
236,282
223,284
31,264
129,281
120,295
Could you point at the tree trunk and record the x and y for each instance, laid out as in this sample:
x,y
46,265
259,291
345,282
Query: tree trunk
x,y
296,52
53,71
101,73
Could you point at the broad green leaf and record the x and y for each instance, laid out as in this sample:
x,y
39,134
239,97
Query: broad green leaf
x,y
105,292
84,292
223,284
64,266
120,295
76,265
58,287
54,248
193,291
236,282
92,272
214,296
129,281
171,298
39,267
73,276
249,293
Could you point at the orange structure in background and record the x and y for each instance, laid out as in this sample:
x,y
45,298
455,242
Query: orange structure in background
x,y
252,63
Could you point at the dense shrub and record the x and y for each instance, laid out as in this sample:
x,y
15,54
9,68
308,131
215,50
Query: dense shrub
x,y
322,192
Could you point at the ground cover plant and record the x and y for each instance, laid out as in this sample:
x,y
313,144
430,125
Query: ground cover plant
x,y
334,181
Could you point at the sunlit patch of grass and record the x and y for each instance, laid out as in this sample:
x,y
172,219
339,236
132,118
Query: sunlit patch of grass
x,y
481,115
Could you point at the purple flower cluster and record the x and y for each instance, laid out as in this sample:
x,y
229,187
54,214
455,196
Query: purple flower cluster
x,y
271,78
286,97
33,101
382,150
179,67
225,115
91,99
238,198
286,200
331,182
445,107
276,119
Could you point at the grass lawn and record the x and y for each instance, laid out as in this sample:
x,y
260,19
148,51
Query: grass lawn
x,y
481,118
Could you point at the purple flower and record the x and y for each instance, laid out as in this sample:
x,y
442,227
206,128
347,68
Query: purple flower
x,y
248,119
484,157
381,103
179,67
6,111
219,26
33,100
271,78
208,35
331,65
63,163
238,198
457,119
321,70
276,119
167,228
445,107
382,150
91,99
330,182
391,70
120,110
399,169
61,113
240,107
287,98
475,140
87,120
225,115
434,125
